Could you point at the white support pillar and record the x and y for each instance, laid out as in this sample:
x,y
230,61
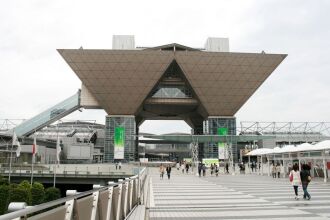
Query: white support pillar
x,y
284,169
262,166
109,206
268,162
69,209
95,203
324,167
299,161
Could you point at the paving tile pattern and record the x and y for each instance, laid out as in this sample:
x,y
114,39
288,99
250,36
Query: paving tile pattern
x,y
239,197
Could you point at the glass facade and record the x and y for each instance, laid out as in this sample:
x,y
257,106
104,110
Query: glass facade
x,y
211,126
169,91
129,126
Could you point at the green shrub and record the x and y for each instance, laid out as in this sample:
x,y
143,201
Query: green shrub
x,y
20,194
3,181
25,185
51,194
4,198
37,193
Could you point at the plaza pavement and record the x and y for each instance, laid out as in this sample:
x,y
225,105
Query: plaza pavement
x,y
250,196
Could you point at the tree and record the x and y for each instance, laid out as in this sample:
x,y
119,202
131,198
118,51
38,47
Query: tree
x,y
37,193
4,198
51,194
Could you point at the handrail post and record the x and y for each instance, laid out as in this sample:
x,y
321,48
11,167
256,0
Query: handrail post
x,y
110,195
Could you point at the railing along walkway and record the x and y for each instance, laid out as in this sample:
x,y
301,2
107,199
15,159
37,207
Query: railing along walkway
x,y
115,201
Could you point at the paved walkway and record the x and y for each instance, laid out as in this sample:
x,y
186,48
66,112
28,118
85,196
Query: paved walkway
x,y
239,197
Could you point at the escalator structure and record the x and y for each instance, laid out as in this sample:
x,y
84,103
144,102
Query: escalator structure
x,y
48,116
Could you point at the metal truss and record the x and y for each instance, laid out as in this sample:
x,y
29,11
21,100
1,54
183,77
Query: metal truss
x,y
7,124
308,129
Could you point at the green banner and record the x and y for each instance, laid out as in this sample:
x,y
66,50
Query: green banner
x,y
119,142
209,161
221,145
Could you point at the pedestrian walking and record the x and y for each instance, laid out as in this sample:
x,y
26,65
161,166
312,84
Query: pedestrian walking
x,y
119,165
187,167
168,171
212,169
252,166
177,166
227,168
200,169
278,170
305,177
274,171
204,169
161,171
295,179
182,167
116,165
216,170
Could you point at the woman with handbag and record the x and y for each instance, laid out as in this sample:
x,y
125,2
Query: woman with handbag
x,y
305,177
295,179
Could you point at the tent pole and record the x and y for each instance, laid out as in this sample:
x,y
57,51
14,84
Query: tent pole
x,y
324,167
268,165
249,164
262,166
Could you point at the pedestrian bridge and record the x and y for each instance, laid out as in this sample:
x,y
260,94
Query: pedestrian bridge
x,y
186,196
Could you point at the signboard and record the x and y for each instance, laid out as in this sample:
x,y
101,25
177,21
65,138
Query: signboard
x,y
209,161
119,143
144,160
188,160
222,151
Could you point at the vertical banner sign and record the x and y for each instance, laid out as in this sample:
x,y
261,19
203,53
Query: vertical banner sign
x,y
119,143
221,146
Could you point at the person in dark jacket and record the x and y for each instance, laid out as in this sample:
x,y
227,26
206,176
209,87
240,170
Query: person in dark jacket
x,y
168,171
204,169
305,177
200,169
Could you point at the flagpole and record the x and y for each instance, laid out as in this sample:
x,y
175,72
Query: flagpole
x,y
10,159
33,155
32,169
54,169
54,174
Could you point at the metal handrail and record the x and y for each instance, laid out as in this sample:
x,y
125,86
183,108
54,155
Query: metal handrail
x,y
62,201
46,205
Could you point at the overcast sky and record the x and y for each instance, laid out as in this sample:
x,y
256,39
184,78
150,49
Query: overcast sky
x,y
34,76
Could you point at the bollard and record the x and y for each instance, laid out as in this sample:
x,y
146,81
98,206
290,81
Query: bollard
x,y
71,192
97,186
15,206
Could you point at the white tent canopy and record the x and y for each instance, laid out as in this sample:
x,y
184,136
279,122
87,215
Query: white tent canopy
x,y
259,151
323,145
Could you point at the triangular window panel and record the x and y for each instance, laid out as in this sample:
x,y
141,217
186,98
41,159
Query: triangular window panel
x,y
172,85
172,97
